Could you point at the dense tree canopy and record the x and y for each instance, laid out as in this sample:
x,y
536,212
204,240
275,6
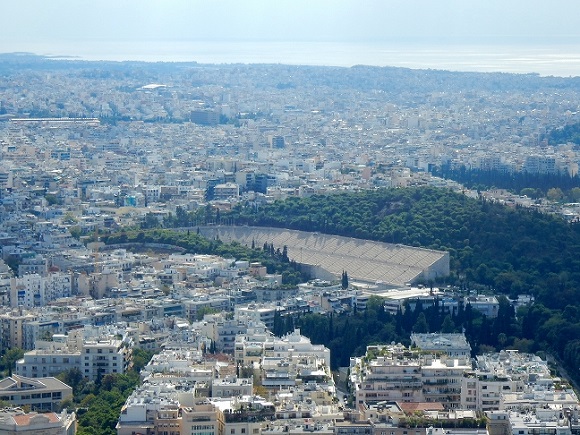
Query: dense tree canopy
x,y
493,248
534,185
562,135
510,250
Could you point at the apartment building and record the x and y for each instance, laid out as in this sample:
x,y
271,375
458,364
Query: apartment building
x,y
441,378
92,358
27,291
37,394
392,375
532,422
232,386
224,332
160,408
395,373
11,328
104,357
502,376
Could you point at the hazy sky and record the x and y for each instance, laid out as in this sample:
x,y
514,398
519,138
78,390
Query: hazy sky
x,y
29,22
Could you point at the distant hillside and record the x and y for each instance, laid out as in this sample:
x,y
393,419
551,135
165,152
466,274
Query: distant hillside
x,y
562,135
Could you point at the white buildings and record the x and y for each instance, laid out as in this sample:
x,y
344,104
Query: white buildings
x,y
34,290
263,313
540,164
538,422
292,345
163,408
487,305
224,331
181,364
226,191
232,386
11,328
93,358
387,373
395,373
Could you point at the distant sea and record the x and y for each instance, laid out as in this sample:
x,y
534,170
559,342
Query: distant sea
x,y
547,60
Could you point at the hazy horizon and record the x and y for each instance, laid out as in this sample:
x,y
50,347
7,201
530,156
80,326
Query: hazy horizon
x,y
533,34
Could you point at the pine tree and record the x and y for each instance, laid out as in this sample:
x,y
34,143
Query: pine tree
x,y
421,324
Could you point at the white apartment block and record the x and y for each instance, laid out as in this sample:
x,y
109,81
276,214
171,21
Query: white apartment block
x,y
180,364
104,357
390,376
249,353
224,332
226,191
541,421
232,386
42,363
395,373
193,309
161,408
296,345
540,164
441,378
490,163
539,396
34,290
252,348
27,291
500,380
487,305
11,328
288,372
92,358
258,313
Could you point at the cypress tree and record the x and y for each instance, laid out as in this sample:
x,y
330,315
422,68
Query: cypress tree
x,y
344,280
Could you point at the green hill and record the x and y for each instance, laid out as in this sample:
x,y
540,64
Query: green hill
x,y
509,250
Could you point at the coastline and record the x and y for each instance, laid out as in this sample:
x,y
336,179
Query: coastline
x,y
562,60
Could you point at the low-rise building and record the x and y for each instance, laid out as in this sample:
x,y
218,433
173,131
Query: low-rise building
x,y
504,381
44,394
232,386
169,407
18,422
454,345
